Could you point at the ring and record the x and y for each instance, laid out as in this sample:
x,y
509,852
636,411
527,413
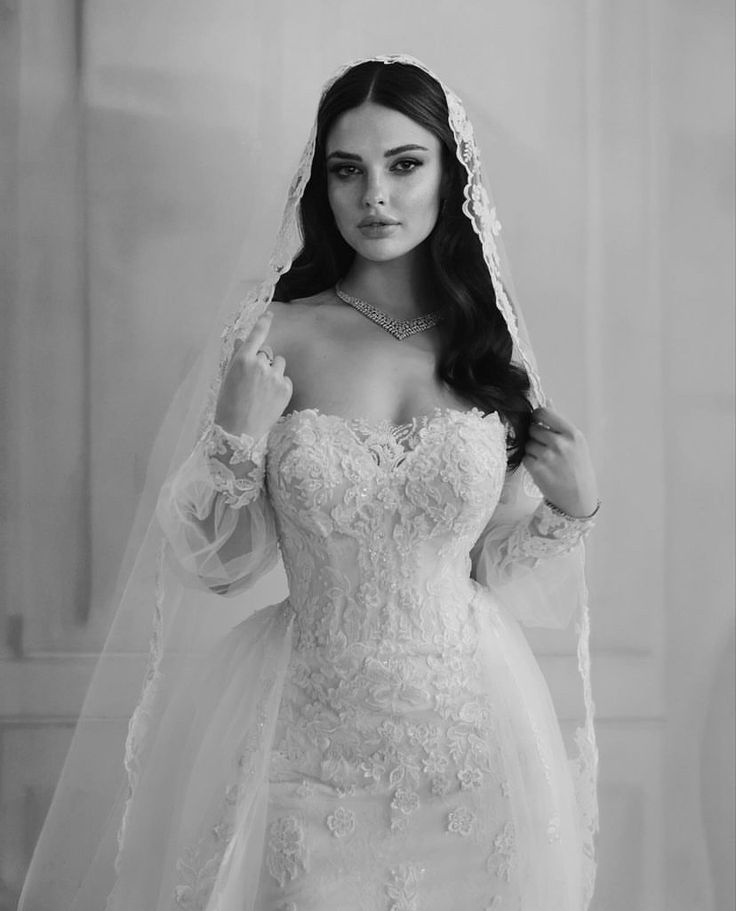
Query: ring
x,y
268,356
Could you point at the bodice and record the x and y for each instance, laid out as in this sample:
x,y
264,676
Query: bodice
x,y
376,522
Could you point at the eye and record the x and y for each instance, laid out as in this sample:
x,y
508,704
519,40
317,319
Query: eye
x,y
406,165
344,170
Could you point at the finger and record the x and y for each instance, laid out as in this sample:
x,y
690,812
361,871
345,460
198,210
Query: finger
x,y
537,471
531,465
541,434
257,335
278,365
551,420
535,450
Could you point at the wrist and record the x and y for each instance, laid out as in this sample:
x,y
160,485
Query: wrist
x,y
235,448
236,464
580,513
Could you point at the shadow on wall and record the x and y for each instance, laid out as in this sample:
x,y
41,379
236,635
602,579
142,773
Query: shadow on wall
x,y
718,760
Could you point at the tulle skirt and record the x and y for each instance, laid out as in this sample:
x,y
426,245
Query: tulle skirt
x,y
225,818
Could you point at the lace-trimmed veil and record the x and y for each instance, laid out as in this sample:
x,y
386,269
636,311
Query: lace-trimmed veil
x,y
162,627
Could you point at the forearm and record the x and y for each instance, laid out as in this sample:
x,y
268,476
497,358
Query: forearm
x,y
216,513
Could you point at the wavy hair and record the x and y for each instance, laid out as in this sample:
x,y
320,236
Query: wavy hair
x,y
475,356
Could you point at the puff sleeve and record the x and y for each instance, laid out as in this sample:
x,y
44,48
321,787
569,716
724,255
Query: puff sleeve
x,y
216,513
531,556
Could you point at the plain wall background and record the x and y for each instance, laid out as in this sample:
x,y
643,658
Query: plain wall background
x,y
138,143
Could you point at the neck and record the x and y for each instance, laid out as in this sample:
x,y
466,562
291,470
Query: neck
x,y
400,287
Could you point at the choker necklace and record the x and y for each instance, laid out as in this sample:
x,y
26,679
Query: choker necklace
x,y
399,328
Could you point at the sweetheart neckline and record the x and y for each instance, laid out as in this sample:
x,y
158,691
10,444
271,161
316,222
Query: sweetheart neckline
x,y
418,420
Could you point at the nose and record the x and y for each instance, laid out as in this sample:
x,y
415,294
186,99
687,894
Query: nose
x,y
374,194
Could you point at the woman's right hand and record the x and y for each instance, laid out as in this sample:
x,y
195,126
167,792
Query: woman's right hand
x,y
254,392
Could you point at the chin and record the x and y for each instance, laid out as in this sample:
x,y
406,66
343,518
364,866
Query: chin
x,y
384,251
382,256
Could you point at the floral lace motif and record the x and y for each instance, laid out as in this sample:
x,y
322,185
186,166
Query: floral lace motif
x,y
356,516
460,821
223,449
403,887
199,864
385,690
504,852
287,849
346,614
341,823
546,533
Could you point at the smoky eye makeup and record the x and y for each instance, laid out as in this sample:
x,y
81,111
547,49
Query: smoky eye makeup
x,y
402,165
407,165
342,169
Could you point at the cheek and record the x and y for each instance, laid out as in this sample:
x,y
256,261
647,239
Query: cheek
x,y
426,200
340,200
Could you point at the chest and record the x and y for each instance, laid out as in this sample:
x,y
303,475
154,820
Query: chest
x,y
442,474
340,363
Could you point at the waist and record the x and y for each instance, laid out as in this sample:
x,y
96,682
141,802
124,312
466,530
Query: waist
x,y
413,620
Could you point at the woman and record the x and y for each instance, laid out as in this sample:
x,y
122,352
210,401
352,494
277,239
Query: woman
x,y
383,739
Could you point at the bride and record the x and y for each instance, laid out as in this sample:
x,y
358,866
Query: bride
x,y
383,738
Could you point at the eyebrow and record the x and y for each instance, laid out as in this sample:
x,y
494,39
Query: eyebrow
x,y
349,156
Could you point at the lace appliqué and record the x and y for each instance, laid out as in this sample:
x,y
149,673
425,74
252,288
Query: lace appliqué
x,y
469,779
139,727
405,801
237,490
460,821
199,865
553,829
484,221
197,877
341,823
546,533
503,858
287,850
403,887
482,216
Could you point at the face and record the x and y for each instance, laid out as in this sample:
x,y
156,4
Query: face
x,y
384,173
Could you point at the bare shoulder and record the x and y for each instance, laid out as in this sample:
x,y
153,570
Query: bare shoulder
x,y
294,320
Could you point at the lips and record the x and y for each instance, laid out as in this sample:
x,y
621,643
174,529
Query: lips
x,y
376,230
373,222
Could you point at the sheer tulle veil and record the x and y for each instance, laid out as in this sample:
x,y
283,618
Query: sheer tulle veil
x,y
164,623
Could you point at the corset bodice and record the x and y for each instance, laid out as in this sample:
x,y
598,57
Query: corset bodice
x,y
376,522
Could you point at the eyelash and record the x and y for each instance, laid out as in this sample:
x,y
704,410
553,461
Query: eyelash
x,y
339,169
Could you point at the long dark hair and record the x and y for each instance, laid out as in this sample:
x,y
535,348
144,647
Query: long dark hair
x,y
475,359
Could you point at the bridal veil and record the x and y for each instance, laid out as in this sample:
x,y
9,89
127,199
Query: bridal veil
x,y
166,621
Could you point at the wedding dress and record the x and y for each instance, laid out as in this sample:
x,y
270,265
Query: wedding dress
x,y
381,740
415,763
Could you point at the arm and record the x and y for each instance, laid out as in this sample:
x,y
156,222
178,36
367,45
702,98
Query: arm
x,y
215,510
531,556
216,514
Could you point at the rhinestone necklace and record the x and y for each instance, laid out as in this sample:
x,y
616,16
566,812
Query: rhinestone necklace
x,y
399,328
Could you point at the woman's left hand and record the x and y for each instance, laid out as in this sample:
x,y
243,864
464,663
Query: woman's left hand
x,y
557,458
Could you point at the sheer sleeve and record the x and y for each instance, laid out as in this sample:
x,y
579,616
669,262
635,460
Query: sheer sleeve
x,y
531,556
217,516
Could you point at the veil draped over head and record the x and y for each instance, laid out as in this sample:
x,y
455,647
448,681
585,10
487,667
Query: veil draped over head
x,y
165,625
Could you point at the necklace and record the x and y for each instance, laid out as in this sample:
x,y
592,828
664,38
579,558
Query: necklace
x,y
399,328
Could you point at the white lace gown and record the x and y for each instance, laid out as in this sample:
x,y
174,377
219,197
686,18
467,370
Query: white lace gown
x,y
384,740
